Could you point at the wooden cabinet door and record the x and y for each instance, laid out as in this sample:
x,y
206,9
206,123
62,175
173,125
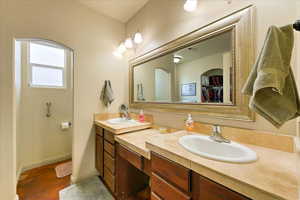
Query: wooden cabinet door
x,y
99,155
109,136
171,171
206,189
165,190
109,179
132,157
129,179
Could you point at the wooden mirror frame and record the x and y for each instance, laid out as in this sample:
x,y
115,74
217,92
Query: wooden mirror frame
x,y
241,24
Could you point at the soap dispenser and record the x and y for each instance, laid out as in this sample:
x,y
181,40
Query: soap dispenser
x,y
141,116
189,123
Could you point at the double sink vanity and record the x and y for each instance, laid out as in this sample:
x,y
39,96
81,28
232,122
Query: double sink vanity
x,y
143,161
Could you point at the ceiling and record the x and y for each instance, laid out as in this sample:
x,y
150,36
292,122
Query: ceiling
x,y
121,10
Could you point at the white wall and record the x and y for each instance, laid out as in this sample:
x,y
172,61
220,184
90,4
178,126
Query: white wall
x,y
145,74
93,38
7,126
18,93
40,139
162,85
159,28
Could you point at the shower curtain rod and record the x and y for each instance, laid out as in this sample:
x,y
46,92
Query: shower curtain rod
x,y
296,25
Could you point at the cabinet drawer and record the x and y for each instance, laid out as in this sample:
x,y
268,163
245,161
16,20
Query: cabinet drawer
x,y
108,136
165,190
99,130
204,188
171,171
109,162
132,157
154,196
109,180
109,148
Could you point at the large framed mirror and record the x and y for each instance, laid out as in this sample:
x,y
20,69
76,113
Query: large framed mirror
x,y
201,72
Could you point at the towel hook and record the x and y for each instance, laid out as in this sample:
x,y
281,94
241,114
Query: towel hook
x,y
48,104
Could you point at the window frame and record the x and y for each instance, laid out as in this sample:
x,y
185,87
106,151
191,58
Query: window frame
x,y
30,66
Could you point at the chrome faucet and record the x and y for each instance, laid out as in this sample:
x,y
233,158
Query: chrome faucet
x,y
217,135
124,111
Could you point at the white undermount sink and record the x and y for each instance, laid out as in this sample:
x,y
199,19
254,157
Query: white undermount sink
x,y
122,121
228,152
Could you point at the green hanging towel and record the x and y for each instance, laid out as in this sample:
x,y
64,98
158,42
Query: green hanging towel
x,y
271,83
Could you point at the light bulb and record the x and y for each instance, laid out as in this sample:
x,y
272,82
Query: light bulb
x,y
177,59
121,48
138,38
190,5
117,54
128,43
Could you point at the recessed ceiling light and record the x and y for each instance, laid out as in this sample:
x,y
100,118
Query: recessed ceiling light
x,y
190,5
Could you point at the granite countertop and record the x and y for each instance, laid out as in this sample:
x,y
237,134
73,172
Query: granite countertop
x,y
122,128
273,176
136,141
100,119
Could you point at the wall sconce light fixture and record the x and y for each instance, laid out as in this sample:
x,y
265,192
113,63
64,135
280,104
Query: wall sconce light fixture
x,y
128,44
190,5
138,38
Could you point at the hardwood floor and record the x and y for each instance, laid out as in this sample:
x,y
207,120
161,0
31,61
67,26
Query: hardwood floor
x,y
41,184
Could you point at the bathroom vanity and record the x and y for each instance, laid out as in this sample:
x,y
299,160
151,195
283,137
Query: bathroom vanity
x,y
105,145
105,157
169,180
184,175
151,164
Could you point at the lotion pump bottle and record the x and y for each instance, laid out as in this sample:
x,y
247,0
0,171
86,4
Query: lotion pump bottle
x,y
189,123
141,116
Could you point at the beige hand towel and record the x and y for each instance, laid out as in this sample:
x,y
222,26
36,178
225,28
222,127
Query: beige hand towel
x,y
271,83
107,95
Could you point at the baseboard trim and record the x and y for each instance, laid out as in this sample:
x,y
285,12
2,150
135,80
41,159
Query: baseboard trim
x,y
46,162
75,179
